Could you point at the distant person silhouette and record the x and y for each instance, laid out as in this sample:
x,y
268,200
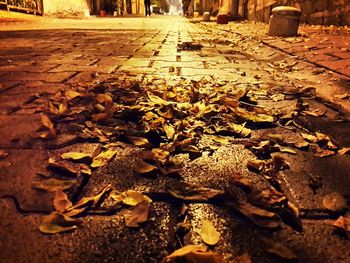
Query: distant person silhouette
x,y
148,7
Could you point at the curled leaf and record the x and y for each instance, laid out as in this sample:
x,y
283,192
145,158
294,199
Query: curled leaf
x,y
142,167
103,158
61,201
343,222
77,156
3,154
138,141
137,215
208,233
53,185
71,94
58,223
187,191
63,167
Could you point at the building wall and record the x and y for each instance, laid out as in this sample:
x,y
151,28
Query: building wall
x,y
65,7
326,12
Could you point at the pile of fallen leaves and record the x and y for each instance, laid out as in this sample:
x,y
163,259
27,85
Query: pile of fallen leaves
x,y
165,120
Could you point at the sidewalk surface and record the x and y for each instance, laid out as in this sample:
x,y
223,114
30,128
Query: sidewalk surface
x,y
47,64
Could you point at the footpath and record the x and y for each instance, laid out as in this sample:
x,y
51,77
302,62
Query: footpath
x,y
242,147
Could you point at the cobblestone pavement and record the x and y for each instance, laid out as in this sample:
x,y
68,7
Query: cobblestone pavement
x,y
36,63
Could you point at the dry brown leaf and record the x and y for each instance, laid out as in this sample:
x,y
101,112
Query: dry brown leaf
x,y
194,253
334,202
53,185
61,201
240,130
77,156
256,165
345,150
301,145
208,233
64,167
342,96
278,249
103,158
5,164
156,100
324,153
130,197
316,113
71,94
142,167
49,130
287,150
309,137
343,222
88,203
104,98
58,223
3,154
187,191
259,216
137,215
138,141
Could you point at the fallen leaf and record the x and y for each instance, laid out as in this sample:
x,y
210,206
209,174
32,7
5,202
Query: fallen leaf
x,y
5,164
49,130
343,222
315,113
58,223
103,158
278,249
88,203
345,150
259,216
77,156
63,167
137,215
130,197
334,202
208,233
169,130
194,254
104,98
324,153
191,192
287,150
61,201
53,185
142,167
309,137
342,96
71,94
3,154
138,141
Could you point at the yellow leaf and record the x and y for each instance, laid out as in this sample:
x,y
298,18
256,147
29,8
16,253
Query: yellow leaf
x,y
208,233
71,94
187,249
143,167
103,158
103,98
58,223
169,131
76,156
344,150
309,137
287,150
130,197
53,185
138,141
